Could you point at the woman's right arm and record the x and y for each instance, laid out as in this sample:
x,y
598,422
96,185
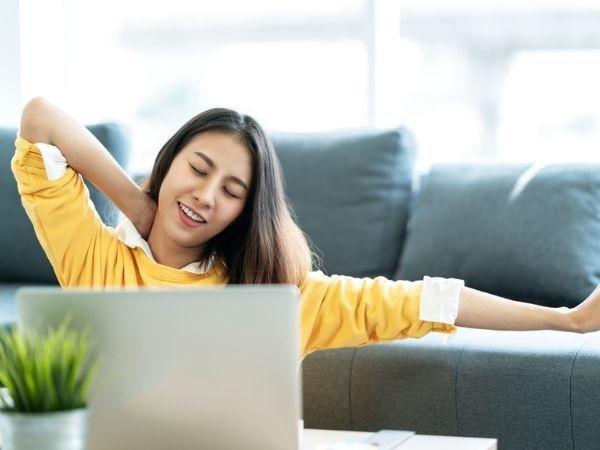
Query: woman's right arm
x,y
43,122
341,311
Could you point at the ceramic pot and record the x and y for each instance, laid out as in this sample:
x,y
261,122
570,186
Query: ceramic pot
x,y
61,430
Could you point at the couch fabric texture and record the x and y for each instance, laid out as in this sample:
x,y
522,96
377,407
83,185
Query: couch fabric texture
x,y
524,232
529,390
351,192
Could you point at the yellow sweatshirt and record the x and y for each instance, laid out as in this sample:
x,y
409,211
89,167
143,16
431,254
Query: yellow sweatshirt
x,y
335,311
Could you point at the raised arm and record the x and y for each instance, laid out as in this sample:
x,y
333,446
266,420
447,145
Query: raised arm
x,y
43,122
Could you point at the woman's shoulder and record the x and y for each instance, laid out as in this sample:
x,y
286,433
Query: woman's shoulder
x,y
314,278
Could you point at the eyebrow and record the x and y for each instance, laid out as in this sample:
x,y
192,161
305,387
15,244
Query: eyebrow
x,y
211,163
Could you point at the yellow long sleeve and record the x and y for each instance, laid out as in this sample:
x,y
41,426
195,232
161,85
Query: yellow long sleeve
x,y
64,219
342,311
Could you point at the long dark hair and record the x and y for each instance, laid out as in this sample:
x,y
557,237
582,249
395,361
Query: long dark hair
x,y
263,244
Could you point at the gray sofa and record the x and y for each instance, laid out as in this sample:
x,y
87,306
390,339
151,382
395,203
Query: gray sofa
x,y
524,232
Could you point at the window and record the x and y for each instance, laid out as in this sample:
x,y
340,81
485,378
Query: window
x,y
501,81
294,67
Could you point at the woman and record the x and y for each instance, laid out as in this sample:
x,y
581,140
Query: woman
x,y
215,212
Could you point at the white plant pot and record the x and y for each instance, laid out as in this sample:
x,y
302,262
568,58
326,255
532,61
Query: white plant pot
x,y
62,430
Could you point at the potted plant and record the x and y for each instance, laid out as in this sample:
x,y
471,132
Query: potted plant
x,y
46,379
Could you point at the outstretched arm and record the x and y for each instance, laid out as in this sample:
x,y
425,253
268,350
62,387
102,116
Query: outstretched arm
x,y
478,309
43,122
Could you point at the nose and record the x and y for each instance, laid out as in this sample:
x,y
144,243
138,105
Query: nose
x,y
205,197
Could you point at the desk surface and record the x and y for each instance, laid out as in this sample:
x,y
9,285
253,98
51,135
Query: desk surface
x,y
312,437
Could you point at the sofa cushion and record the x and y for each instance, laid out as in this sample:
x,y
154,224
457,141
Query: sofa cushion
x,y
23,257
350,191
512,386
529,233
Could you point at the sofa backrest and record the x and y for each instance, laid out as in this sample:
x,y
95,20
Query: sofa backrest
x,y
526,232
23,259
350,190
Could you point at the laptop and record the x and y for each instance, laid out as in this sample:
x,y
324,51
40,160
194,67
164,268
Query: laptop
x,y
192,368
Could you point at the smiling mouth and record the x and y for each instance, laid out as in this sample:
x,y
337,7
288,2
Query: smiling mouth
x,y
189,217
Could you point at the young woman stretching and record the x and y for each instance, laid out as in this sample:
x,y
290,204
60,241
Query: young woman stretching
x,y
213,212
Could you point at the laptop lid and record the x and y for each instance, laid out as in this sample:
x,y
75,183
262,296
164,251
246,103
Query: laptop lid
x,y
214,367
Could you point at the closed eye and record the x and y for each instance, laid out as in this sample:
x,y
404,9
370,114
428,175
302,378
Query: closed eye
x,y
198,171
203,174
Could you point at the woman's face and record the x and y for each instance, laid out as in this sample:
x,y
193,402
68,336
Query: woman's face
x,y
209,178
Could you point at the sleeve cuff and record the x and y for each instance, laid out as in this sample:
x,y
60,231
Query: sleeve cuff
x,y
55,162
439,299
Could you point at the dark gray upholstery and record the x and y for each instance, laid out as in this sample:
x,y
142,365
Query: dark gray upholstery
x,y
23,259
522,232
529,390
351,192
585,395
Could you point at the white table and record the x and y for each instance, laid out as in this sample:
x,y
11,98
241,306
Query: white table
x,y
312,437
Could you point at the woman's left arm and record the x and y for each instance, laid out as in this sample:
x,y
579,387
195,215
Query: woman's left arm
x,y
477,309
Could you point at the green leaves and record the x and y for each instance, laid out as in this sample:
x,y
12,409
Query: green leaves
x,y
47,372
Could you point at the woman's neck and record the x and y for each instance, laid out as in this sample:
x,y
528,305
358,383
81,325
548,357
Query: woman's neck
x,y
167,253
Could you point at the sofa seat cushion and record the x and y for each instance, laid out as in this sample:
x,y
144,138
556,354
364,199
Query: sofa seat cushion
x,y
511,386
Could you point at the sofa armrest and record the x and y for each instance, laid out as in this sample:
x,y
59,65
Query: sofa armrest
x,y
523,388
